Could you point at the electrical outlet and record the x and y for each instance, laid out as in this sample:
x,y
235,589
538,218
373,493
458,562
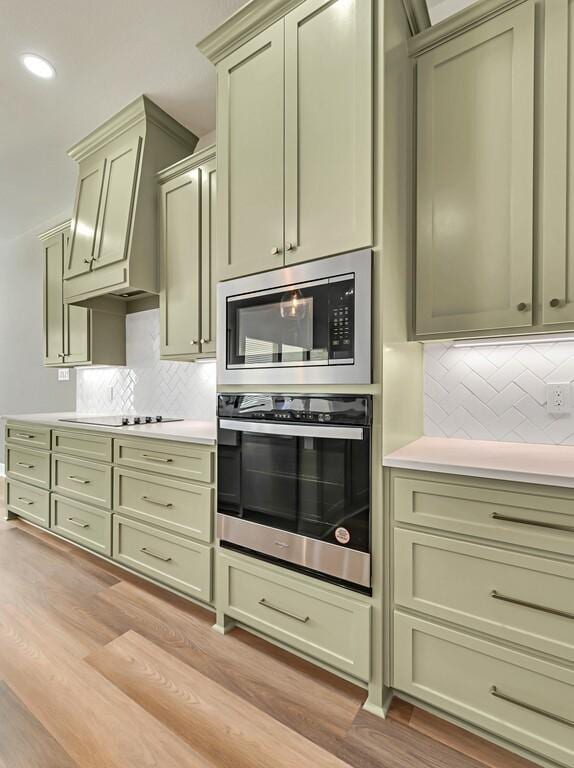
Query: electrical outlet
x,y
558,397
63,374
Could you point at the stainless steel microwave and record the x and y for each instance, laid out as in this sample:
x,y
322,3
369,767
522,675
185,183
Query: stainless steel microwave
x,y
304,324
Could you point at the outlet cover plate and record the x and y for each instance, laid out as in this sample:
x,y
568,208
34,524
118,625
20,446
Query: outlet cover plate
x,y
558,397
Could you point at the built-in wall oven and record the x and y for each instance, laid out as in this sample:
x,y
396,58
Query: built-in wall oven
x,y
294,481
305,324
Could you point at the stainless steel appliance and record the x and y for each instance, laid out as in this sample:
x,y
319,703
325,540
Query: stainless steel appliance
x,y
120,421
294,481
305,324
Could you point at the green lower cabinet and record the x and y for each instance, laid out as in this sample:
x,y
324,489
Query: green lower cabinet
x,y
81,523
28,502
172,560
326,623
28,466
87,481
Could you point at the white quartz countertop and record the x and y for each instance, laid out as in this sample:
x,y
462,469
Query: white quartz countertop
x,y
187,431
522,462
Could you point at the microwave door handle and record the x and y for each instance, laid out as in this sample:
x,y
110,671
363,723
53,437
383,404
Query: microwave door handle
x,y
293,430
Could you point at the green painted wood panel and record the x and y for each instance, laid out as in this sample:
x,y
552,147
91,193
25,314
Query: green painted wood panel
x,y
459,673
475,166
28,435
184,461
328,128
28,502
54,300
82,445
86,481
208,251
28,466
86,214
81,523
250,126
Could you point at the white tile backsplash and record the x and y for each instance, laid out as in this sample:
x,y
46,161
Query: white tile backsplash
x,y
497,392
148,385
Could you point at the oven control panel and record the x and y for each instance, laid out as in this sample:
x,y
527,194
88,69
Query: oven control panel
x,y
305,409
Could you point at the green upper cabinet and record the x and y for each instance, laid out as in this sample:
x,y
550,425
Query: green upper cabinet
x,y
113,250
75,335
187,300
475,168
294,133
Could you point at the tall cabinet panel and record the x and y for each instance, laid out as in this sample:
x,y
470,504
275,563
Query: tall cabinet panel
x,y
475,144
328,128
208,279
53,299
250,156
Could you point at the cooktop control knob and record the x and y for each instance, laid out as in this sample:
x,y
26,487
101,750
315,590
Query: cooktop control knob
x,y
159,418
137,420
125,421
148,419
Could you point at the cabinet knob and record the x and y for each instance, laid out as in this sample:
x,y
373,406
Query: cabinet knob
x,y
61,354
193,341
522,306
555,302
290,247
275,251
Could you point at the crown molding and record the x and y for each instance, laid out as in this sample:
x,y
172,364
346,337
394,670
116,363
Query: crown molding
x,y
189,163
248,21
140,110
63,227
460,22
418,15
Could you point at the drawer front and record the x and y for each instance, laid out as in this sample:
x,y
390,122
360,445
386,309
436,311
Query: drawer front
x,y
183,508
28,502
29,466
82,446
186,462
324,624
515,597
83,524
172,560
82,480
28,435
541,522
523,699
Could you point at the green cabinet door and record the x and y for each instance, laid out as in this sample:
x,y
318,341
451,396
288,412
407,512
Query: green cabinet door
x,y
86,211
208,280
475,139
53,300
180,233
77,326
328,128
250,144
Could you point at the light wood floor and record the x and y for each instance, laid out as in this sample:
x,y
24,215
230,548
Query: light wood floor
x,y
99,669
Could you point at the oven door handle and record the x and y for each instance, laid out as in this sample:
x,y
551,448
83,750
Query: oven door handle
x,y
293,430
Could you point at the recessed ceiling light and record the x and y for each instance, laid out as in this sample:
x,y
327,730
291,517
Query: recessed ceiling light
x,y
38,66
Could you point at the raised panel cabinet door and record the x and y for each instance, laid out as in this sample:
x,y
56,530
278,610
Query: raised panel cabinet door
x,y
557,294
119,188
328,128
208,281
475,138
77,334
80,255
53,300
250,156
180,264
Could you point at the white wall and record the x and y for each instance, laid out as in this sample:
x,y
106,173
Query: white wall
x,y
25,385
442,9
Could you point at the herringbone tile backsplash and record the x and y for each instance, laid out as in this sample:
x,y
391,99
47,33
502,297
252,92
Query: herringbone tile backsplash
x,y
497,392
148,385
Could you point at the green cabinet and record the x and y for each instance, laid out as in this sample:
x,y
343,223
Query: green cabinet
x,y
74,335
113,248
187,296
295,139
475,167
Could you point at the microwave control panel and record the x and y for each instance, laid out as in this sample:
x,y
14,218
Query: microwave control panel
x,y
342,319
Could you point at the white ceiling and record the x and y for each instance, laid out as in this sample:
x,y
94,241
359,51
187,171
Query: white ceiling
x,y
442,9
106,53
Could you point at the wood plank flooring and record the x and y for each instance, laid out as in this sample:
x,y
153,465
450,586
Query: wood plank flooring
x,y
99,669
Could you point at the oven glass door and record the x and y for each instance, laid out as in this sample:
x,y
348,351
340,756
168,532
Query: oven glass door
x,y
309,485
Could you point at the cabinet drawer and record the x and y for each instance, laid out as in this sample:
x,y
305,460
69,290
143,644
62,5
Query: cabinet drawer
x,y
325,624
177,562
511,694
29,466
515,597
28,435
181,460
82,480
526,519
28,502
82,446
81,523
183,508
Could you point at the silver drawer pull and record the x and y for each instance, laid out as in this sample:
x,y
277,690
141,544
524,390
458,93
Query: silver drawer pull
x,y
265,604
25,501
536,523
156,458
78,480
79,523
530,707
147,551
166,504
23,436
525,604
26,466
